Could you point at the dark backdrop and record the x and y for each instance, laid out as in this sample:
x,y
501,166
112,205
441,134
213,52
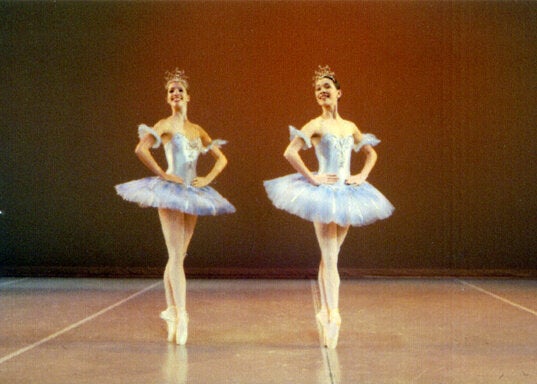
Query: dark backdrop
x,y
449,87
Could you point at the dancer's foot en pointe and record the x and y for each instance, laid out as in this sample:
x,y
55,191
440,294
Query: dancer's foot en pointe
x,y
331,329
170,317
322,320
182,327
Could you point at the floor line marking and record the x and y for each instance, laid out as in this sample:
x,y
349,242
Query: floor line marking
x,y
512,303
75,325
12,282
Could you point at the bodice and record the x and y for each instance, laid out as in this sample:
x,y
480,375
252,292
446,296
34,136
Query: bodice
x,y
181,152
334,152
334,155
182,156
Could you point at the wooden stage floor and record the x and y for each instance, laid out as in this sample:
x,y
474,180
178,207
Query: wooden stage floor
x,y
446,330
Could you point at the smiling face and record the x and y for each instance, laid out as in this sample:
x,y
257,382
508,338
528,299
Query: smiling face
x,y
326,92
177,94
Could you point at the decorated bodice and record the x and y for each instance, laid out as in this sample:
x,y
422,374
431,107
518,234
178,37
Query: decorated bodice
x,y
181,152
334,155
182,156
334,152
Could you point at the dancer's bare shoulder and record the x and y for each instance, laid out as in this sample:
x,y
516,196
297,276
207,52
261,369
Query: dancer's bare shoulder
x,y
313,127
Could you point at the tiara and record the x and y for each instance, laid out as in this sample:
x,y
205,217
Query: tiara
x,y
323,72
178,76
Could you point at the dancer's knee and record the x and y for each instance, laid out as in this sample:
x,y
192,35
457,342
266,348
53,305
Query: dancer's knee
x,y
331,275
330,260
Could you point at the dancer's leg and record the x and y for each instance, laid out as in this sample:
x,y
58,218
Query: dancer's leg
x,y
171,223
322,291
190,224
178,229
182,315
328,242
341,233
168,286
172,227
330,237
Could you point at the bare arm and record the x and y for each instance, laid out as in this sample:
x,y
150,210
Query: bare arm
x,y
144,154
294,158
370,160
219,164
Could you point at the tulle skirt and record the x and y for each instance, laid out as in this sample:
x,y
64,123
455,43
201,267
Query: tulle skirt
x,y
159,193
343,204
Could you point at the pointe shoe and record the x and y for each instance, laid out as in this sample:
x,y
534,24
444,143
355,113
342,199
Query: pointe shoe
x,y
170,317
322,321
322,316
182,328
331,330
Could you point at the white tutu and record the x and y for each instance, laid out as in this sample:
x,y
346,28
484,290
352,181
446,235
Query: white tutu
x,y
159,193
338,203
182,154
343,204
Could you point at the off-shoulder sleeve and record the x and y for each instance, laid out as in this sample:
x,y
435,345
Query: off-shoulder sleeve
x,y
367,139
215,143
293,132
144,130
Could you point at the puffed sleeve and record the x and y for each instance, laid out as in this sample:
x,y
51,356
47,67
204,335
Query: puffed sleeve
x,y
144,130
215,143
293,132
367,139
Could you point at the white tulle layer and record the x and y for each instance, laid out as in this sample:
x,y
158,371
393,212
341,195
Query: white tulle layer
x,y
158,193
338,203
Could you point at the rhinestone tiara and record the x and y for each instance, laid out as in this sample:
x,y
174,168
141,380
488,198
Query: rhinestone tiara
x,y
178,76
323,72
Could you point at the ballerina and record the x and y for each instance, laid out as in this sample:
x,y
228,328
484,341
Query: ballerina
x,y
178,193
331,198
